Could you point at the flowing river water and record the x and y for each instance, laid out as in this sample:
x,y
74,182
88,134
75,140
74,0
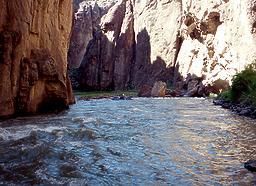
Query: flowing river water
x,y
181,141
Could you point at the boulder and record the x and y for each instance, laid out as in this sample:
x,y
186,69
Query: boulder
x,y
158,89
173,93
145,91
250,165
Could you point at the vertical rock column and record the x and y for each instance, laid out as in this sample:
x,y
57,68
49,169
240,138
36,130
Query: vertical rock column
x,y
34,39
109,57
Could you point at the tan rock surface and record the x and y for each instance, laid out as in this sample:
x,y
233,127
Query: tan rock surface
x,y
158,89
34,38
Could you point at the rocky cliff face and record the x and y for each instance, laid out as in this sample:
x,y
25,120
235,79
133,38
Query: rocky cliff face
x,y
218,40
108,60
34,37
87,19
195,45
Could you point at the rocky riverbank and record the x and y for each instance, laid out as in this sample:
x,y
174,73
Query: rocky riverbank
x,y
240,109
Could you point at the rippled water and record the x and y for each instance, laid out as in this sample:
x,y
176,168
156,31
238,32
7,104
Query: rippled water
x,y
137,142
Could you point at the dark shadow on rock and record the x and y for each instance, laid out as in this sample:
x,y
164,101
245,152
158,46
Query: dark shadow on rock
x,y
142,58
96,72
107,64
146,72
125,57
125,64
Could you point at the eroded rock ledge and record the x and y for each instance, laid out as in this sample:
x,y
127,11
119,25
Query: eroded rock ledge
x,y
34,39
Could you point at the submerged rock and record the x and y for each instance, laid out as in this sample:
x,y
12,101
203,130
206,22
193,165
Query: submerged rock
x,y
250,165
123,97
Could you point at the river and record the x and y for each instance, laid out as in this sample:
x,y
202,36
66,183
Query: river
x,y
183,141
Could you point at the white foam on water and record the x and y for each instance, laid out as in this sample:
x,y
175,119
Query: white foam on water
x,y
84,119
11,134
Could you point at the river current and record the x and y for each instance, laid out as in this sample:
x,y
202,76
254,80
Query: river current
x,y
182,141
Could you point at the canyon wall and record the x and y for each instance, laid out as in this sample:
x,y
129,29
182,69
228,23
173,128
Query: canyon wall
x,y
87,18
218,40
109,54
34,39
194,46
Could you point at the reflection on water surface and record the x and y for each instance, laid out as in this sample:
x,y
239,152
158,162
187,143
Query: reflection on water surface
x,y
131,142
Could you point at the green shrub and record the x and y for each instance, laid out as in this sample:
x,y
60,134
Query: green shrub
x,y
249,98
243,88
244,83
225,96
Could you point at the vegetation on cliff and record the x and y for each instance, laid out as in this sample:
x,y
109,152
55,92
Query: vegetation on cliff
x,y
243,88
